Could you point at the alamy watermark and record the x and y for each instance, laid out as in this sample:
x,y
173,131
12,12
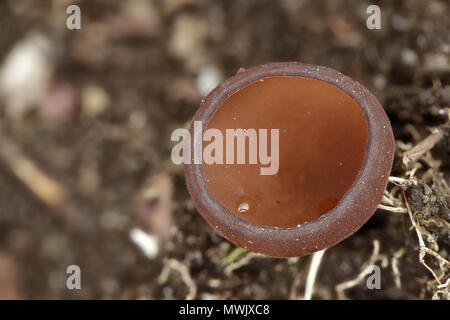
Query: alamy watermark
x,y
373,21
373,281
73,281
73,21
236,146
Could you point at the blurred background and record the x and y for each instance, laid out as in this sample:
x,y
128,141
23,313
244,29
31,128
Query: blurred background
x,y
85,121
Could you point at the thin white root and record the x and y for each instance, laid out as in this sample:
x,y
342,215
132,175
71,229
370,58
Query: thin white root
x,y
444,285
340,288
312,273
392,209
423,249
395,270
387,199
174,265
397,180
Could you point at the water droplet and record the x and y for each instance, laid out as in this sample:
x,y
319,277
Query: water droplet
x,y
243,207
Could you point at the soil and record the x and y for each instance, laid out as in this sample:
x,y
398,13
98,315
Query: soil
x,y
85,146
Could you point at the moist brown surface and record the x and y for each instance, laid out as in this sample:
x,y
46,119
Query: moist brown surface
x,y
322,142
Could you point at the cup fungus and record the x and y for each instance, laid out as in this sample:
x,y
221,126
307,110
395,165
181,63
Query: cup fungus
x,y
335,152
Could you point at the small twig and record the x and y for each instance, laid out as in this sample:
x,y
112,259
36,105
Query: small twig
x,y
416,152
46,189
312,273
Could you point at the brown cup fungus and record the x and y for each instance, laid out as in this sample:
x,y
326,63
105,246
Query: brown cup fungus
x,y
335,151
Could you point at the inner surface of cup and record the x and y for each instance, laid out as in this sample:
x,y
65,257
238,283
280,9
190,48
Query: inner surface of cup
x,y
301,147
